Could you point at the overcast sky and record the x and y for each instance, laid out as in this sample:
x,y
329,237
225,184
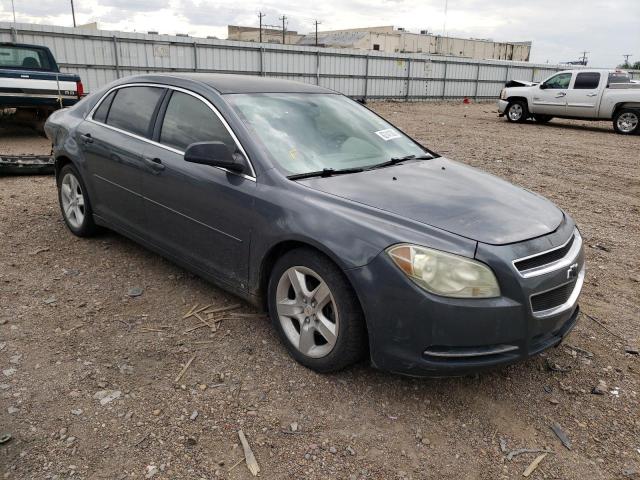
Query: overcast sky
x,y
559,30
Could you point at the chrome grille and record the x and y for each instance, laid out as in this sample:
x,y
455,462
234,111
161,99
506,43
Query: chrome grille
x,y
550,260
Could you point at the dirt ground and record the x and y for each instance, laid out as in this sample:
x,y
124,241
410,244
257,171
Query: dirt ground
x,y
88,383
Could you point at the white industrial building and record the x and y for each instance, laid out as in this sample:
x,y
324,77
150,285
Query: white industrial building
x,y
397,40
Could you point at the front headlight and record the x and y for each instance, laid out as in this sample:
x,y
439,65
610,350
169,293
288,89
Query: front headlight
x,y
445,274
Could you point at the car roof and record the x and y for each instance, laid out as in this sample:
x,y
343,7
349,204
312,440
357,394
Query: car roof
x,y
226,83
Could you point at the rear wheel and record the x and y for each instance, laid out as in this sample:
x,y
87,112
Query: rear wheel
x,y
542,118
74,202
626,121
315,311
517,111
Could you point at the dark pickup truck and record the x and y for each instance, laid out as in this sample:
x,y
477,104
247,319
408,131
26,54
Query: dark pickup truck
x,y
31,82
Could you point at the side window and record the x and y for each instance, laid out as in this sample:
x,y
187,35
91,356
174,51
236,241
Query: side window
x,y
100,115
587,81
132,109
560,81
189,120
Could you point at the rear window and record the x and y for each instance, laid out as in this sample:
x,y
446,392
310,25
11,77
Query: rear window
x,y
132,109
587,81
100,115
619,77
24,58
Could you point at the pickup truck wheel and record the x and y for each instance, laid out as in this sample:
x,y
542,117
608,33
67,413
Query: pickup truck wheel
x,y
517,111
74,202
542,118
626,121
316,312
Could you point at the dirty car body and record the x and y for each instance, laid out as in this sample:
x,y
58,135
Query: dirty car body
x,y
231,225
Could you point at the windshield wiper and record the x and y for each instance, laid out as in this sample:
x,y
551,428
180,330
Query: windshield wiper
x,y
397,160
325,172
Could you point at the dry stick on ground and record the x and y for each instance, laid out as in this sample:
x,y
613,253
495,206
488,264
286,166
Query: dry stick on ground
x,y
520,451
184,369
235,465
221,309
202,325
594,319
252,463
533,465
190,312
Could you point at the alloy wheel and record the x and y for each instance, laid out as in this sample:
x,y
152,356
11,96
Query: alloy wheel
x,y
515,112
627,122
307,311
72,200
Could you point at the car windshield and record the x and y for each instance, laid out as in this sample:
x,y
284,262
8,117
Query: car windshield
x,y
314,132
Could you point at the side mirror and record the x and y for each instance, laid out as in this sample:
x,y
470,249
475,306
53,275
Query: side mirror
x,y
216,154
543,86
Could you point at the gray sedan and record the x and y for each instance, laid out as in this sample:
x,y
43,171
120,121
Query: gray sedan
x,y
359,241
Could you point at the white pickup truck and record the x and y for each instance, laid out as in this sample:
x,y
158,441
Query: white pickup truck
x,y
583,94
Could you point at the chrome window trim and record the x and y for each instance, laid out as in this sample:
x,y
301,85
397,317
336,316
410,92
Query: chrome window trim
x,y
571,301
556,265
90,118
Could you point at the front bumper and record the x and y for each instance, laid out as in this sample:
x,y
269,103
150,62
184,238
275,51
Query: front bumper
x,y
502,107
416,333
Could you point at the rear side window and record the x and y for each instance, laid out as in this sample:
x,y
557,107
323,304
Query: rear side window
x,y
133,107
100,115
587,81
189,120
24,58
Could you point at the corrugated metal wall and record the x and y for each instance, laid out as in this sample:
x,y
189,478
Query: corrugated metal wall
x,y
100,57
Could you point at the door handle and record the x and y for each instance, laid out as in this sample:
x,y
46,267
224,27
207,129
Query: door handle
x,y
155,163
592,94
561,94
87,138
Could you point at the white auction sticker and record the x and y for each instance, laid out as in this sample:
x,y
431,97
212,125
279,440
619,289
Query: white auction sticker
x,y
388,134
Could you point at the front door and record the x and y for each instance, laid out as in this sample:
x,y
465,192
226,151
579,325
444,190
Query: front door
x,y
113,141
583,98
197,212
549,98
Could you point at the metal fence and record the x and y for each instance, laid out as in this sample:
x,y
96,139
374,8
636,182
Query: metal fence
x,y
100,57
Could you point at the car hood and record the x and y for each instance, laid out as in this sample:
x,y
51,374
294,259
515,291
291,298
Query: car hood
x,y
450,196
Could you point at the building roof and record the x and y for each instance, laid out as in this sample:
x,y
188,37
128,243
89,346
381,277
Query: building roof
x,y
229,83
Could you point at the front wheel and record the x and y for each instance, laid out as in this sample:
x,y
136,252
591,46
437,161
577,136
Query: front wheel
x,y
626,121
517,111
316,312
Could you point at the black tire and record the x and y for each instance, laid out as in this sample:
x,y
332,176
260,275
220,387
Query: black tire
x,y
351,343
517,111
624,119
86,227
543,118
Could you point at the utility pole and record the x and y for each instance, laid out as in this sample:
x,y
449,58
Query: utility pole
x,y
584,59
13,7
316,23
444,25
284,28
626,58
260,15
73,14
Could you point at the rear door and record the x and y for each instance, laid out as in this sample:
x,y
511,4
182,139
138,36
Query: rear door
x,y
583,97
113,140
549,98
197,212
